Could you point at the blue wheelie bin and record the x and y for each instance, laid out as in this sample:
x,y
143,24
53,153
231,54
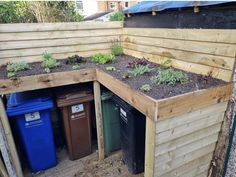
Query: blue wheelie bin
x,y
30,114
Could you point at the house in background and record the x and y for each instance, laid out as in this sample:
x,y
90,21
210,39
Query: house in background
x,y
94,7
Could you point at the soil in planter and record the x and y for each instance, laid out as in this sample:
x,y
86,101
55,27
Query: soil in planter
x,y
196,81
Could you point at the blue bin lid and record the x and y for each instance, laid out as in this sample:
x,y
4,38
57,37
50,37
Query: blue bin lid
x,y
27,102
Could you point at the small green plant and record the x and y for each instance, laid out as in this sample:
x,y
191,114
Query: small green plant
x,y
110,68
116,48
140,70
49,62
145,87
169,77
118,16
13,68
76,67
103,58
167,63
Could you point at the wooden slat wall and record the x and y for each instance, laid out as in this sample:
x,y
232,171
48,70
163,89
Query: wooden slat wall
x,y
203,51
185,143
27,42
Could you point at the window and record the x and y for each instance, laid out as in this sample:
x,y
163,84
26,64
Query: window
x,y
79,5
112,5
126,4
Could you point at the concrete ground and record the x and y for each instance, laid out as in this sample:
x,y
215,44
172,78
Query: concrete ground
x,y
89,166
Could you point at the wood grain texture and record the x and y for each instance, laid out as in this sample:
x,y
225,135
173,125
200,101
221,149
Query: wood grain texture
x,y
46,80
186,66
192,101
26,27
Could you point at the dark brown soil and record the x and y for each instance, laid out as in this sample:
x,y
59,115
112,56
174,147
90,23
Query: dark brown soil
x,y
196,81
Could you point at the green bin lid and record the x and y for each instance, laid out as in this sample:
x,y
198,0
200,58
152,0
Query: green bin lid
x,y
106,95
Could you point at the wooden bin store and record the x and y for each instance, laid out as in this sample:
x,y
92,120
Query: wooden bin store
x,y
181,131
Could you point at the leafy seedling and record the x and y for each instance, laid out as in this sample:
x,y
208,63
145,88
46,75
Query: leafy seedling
x,y
140,70
166,64
76,67
13,68
137,62
169,77
103,58
110,68
145,87
49,62
75,59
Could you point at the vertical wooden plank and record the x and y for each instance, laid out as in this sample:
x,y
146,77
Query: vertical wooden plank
x,y
150,147
9,138
3,171
99,120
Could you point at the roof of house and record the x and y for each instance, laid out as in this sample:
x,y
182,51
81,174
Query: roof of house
x,y
149,6
96,15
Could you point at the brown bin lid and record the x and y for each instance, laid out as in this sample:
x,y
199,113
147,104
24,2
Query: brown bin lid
x,y
70,97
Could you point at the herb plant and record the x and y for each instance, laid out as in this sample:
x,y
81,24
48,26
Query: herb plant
x,y
116,48
169,77
167,63
103,58
76,67
137,62
49,62
118,16
13,68
75,59
145,87
140,70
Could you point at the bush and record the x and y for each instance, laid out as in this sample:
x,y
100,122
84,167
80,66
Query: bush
x,y
169,77
140,70
103,58
13,68
118,16
116,49
49,62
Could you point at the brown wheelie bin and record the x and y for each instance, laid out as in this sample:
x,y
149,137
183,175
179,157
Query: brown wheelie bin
x,y
75,110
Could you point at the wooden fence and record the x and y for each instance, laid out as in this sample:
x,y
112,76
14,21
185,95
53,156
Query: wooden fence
x,y
202,51
27,42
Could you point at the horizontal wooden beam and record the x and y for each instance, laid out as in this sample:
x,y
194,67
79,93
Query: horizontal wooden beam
x,y
188,102
46,80
27,27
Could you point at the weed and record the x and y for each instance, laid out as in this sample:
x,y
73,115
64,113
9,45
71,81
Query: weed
x,y
118,16
75,59
76,67
140,70
145,87
49,62
103,58
110,68
169,77
13,68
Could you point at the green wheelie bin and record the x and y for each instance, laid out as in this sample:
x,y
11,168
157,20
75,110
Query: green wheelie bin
x,y
111,123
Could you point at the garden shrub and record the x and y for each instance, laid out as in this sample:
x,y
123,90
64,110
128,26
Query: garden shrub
x,y
49,62
118,16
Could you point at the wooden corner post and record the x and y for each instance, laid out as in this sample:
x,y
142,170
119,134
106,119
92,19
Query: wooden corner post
x,y
12,156
150,147
99,120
